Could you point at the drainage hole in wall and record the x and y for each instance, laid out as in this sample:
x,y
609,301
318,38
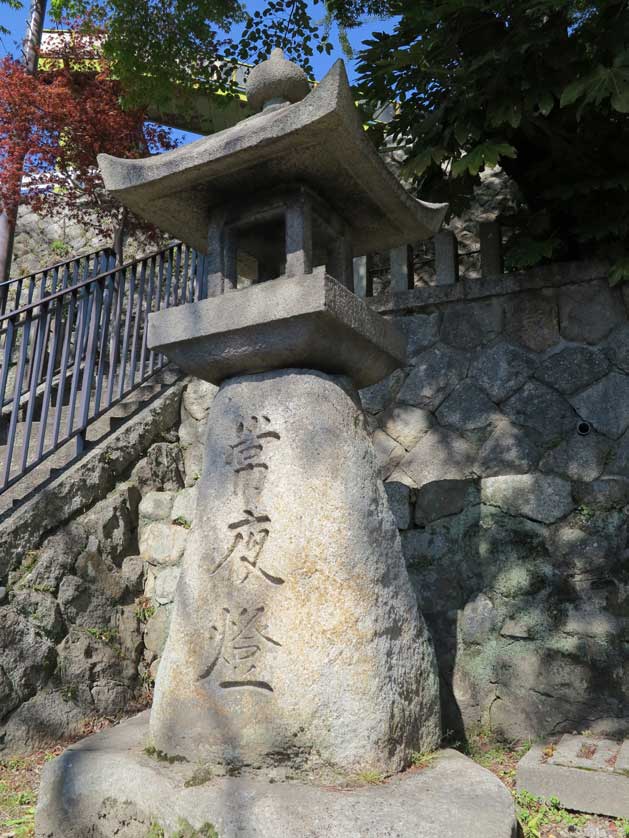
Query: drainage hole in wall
x,y
583,428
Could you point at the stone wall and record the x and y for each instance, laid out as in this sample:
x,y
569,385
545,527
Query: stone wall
x,y
41,241
504,446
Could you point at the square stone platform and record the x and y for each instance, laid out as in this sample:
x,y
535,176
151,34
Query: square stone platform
x,y
586,773
309,322
107,785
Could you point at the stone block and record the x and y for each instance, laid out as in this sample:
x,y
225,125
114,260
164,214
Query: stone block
x,y
544,498
421,330
439,455
165,585
578,457
468,325
309,321
193,464
156,631
508,450
608,493
162,543
501,370
389,453
433,376
541,408
315,593
379,396
161,469
606,404
423,547
467,408
619,462
581,774
478,620
156,506
573,368
406,424
399,497
197,398
443,498
589,311
107,783
532,320
184,506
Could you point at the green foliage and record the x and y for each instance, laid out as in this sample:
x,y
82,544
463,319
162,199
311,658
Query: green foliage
x,y
154,45
534,814
540,87
144,610
281,23
622,825
370,777
423,760
186,830
106,635
60,249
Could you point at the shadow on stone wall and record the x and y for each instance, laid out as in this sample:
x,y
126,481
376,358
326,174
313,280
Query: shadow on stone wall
x,y
504,447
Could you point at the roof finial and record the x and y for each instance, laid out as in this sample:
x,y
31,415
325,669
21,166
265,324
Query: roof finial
x,y
276,81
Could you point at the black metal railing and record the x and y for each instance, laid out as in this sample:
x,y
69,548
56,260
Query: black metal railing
x,y
22,290
76,347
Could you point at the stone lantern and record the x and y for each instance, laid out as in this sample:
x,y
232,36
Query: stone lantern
x,y
297,659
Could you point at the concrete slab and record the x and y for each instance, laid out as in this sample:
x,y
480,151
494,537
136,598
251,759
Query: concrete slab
x,y
622,760
107,785
309,322
589,752
586,773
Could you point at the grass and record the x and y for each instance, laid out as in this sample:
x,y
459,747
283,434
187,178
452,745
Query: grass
x,y
370,777
19,782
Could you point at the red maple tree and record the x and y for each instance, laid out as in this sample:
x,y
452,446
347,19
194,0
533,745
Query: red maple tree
x,y
54,124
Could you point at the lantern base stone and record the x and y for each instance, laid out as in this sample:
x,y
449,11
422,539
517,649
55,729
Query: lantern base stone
x,y
109,785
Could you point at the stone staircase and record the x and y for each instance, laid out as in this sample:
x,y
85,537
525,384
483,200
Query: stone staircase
x,y
66,455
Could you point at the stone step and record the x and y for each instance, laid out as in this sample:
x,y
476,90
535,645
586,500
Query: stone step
x,y
97,430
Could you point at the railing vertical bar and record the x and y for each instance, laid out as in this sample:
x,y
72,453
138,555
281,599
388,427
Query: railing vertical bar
x,y
136,325
114,343
184,278
16,399
169,277
158,305
6,362
127,330
65,357
145,320
178,250
43,418
34,382
192,276
108,293
88,367
32,371
84,309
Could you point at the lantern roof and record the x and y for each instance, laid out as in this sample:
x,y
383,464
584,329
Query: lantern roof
x,y
318,142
